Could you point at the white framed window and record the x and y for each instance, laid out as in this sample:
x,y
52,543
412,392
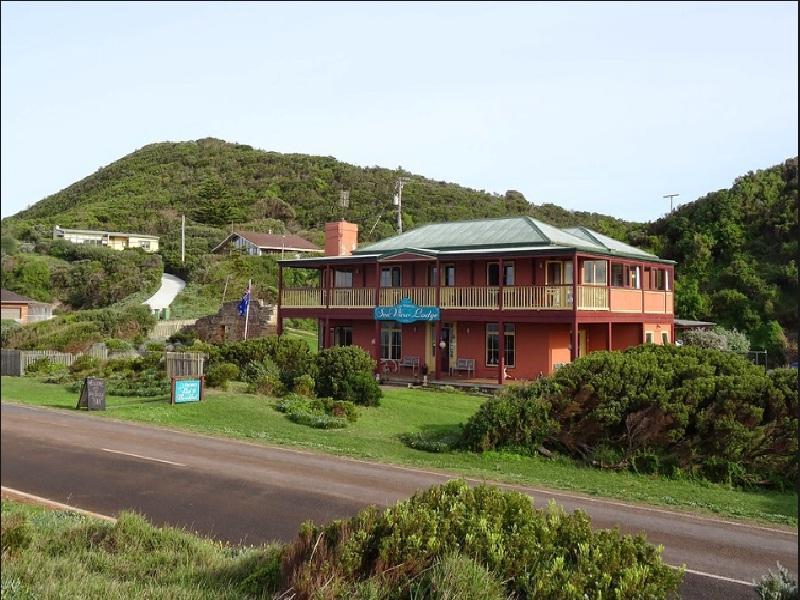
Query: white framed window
x,y
391,340
595,272
390,277
493,273
665,338
648,337
343,278
493,344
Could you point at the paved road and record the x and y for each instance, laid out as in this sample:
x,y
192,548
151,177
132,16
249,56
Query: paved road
x,y
171,286
244,492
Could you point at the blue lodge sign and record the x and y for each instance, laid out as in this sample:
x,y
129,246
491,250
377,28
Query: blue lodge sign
x,y
406,311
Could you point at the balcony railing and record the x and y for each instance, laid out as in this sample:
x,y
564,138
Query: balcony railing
x,y
537,297
592,297
422,296
519,297
302,297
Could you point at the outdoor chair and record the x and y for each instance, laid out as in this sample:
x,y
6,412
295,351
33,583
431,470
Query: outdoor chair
x,y
410,362
464,364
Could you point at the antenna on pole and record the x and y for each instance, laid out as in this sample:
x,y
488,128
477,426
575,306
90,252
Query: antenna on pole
x,y
398,201
670,196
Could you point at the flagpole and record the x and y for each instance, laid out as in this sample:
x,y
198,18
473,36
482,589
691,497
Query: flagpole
x,y
247,308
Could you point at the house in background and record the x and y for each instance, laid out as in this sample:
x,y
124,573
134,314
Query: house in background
x,y
490,299
110,239
258,244
22,309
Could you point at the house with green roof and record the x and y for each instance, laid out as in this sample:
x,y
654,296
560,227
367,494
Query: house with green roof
x,y
501,299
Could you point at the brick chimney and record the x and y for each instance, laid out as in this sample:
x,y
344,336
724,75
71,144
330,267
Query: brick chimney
x,y
341,238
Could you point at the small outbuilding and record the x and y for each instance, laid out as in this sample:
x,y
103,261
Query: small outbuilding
x,y
15,307
258,244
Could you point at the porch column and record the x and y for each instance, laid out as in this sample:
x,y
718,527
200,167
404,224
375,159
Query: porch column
x,y
377,349
279,327
609,336
501,361
437,352
327,289
575,275
377,284
438,291
325,334
642,333
501,281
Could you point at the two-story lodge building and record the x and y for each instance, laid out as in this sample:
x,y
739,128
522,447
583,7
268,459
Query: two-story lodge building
x,y
508,298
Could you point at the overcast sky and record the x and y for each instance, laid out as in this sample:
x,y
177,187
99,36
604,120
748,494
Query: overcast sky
x,y
601,107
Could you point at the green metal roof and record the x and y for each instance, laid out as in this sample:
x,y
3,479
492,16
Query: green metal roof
x,y
490,234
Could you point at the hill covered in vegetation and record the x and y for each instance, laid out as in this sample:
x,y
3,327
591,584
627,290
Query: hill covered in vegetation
x,y
735,248
736,251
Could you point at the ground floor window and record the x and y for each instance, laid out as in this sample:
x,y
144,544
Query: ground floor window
x,y
648,337
343,336
493,344
665,337
391,340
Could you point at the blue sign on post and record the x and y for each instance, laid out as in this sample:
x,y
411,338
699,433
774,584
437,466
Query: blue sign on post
x,y
406,311
187,390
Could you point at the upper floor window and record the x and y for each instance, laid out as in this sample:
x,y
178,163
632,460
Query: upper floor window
x,y
432,274
559,272
595,272
493,274
449,275
390,277
661,279
617,278
635,278
343,278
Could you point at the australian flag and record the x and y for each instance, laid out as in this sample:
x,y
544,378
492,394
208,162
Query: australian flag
x,y
244,302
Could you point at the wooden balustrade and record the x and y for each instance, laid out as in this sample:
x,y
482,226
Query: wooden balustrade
x,y
537,297
520,297
302,297
592,297
422,296
469,297
352,297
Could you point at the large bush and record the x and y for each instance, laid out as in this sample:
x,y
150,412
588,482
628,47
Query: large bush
x,y
718,338
345,373
292,356
220,374
672,410
537,553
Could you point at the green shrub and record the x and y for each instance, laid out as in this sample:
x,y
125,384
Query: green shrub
x,y
518,417
267,385
220,374
436,443
292,357
777,586
7,326
320,413
345,373
304,385
115,345
44,367
536,553
657,409
154,347
85,366
457,577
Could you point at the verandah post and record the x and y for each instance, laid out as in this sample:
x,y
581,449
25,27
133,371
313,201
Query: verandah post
x,y
574,344
501,361
279,327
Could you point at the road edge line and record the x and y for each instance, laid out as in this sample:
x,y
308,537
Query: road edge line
x,y
12,494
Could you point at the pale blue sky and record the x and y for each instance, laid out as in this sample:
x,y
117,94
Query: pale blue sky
x,y
603,107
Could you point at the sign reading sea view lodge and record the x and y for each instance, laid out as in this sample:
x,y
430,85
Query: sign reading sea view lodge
x,y
406,311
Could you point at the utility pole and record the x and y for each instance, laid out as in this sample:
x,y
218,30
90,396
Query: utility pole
x,y
183,239
398,201
670,196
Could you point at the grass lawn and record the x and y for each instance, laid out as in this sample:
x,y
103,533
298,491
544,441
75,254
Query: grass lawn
x,y
376,436
309,337
57,554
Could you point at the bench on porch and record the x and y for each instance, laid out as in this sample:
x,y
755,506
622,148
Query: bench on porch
x,y
410,362
463,364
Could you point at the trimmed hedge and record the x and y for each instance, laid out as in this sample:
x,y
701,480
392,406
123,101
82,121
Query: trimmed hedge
x,y
671,410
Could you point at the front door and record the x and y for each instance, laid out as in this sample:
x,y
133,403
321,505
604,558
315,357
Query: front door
x,y
444,353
